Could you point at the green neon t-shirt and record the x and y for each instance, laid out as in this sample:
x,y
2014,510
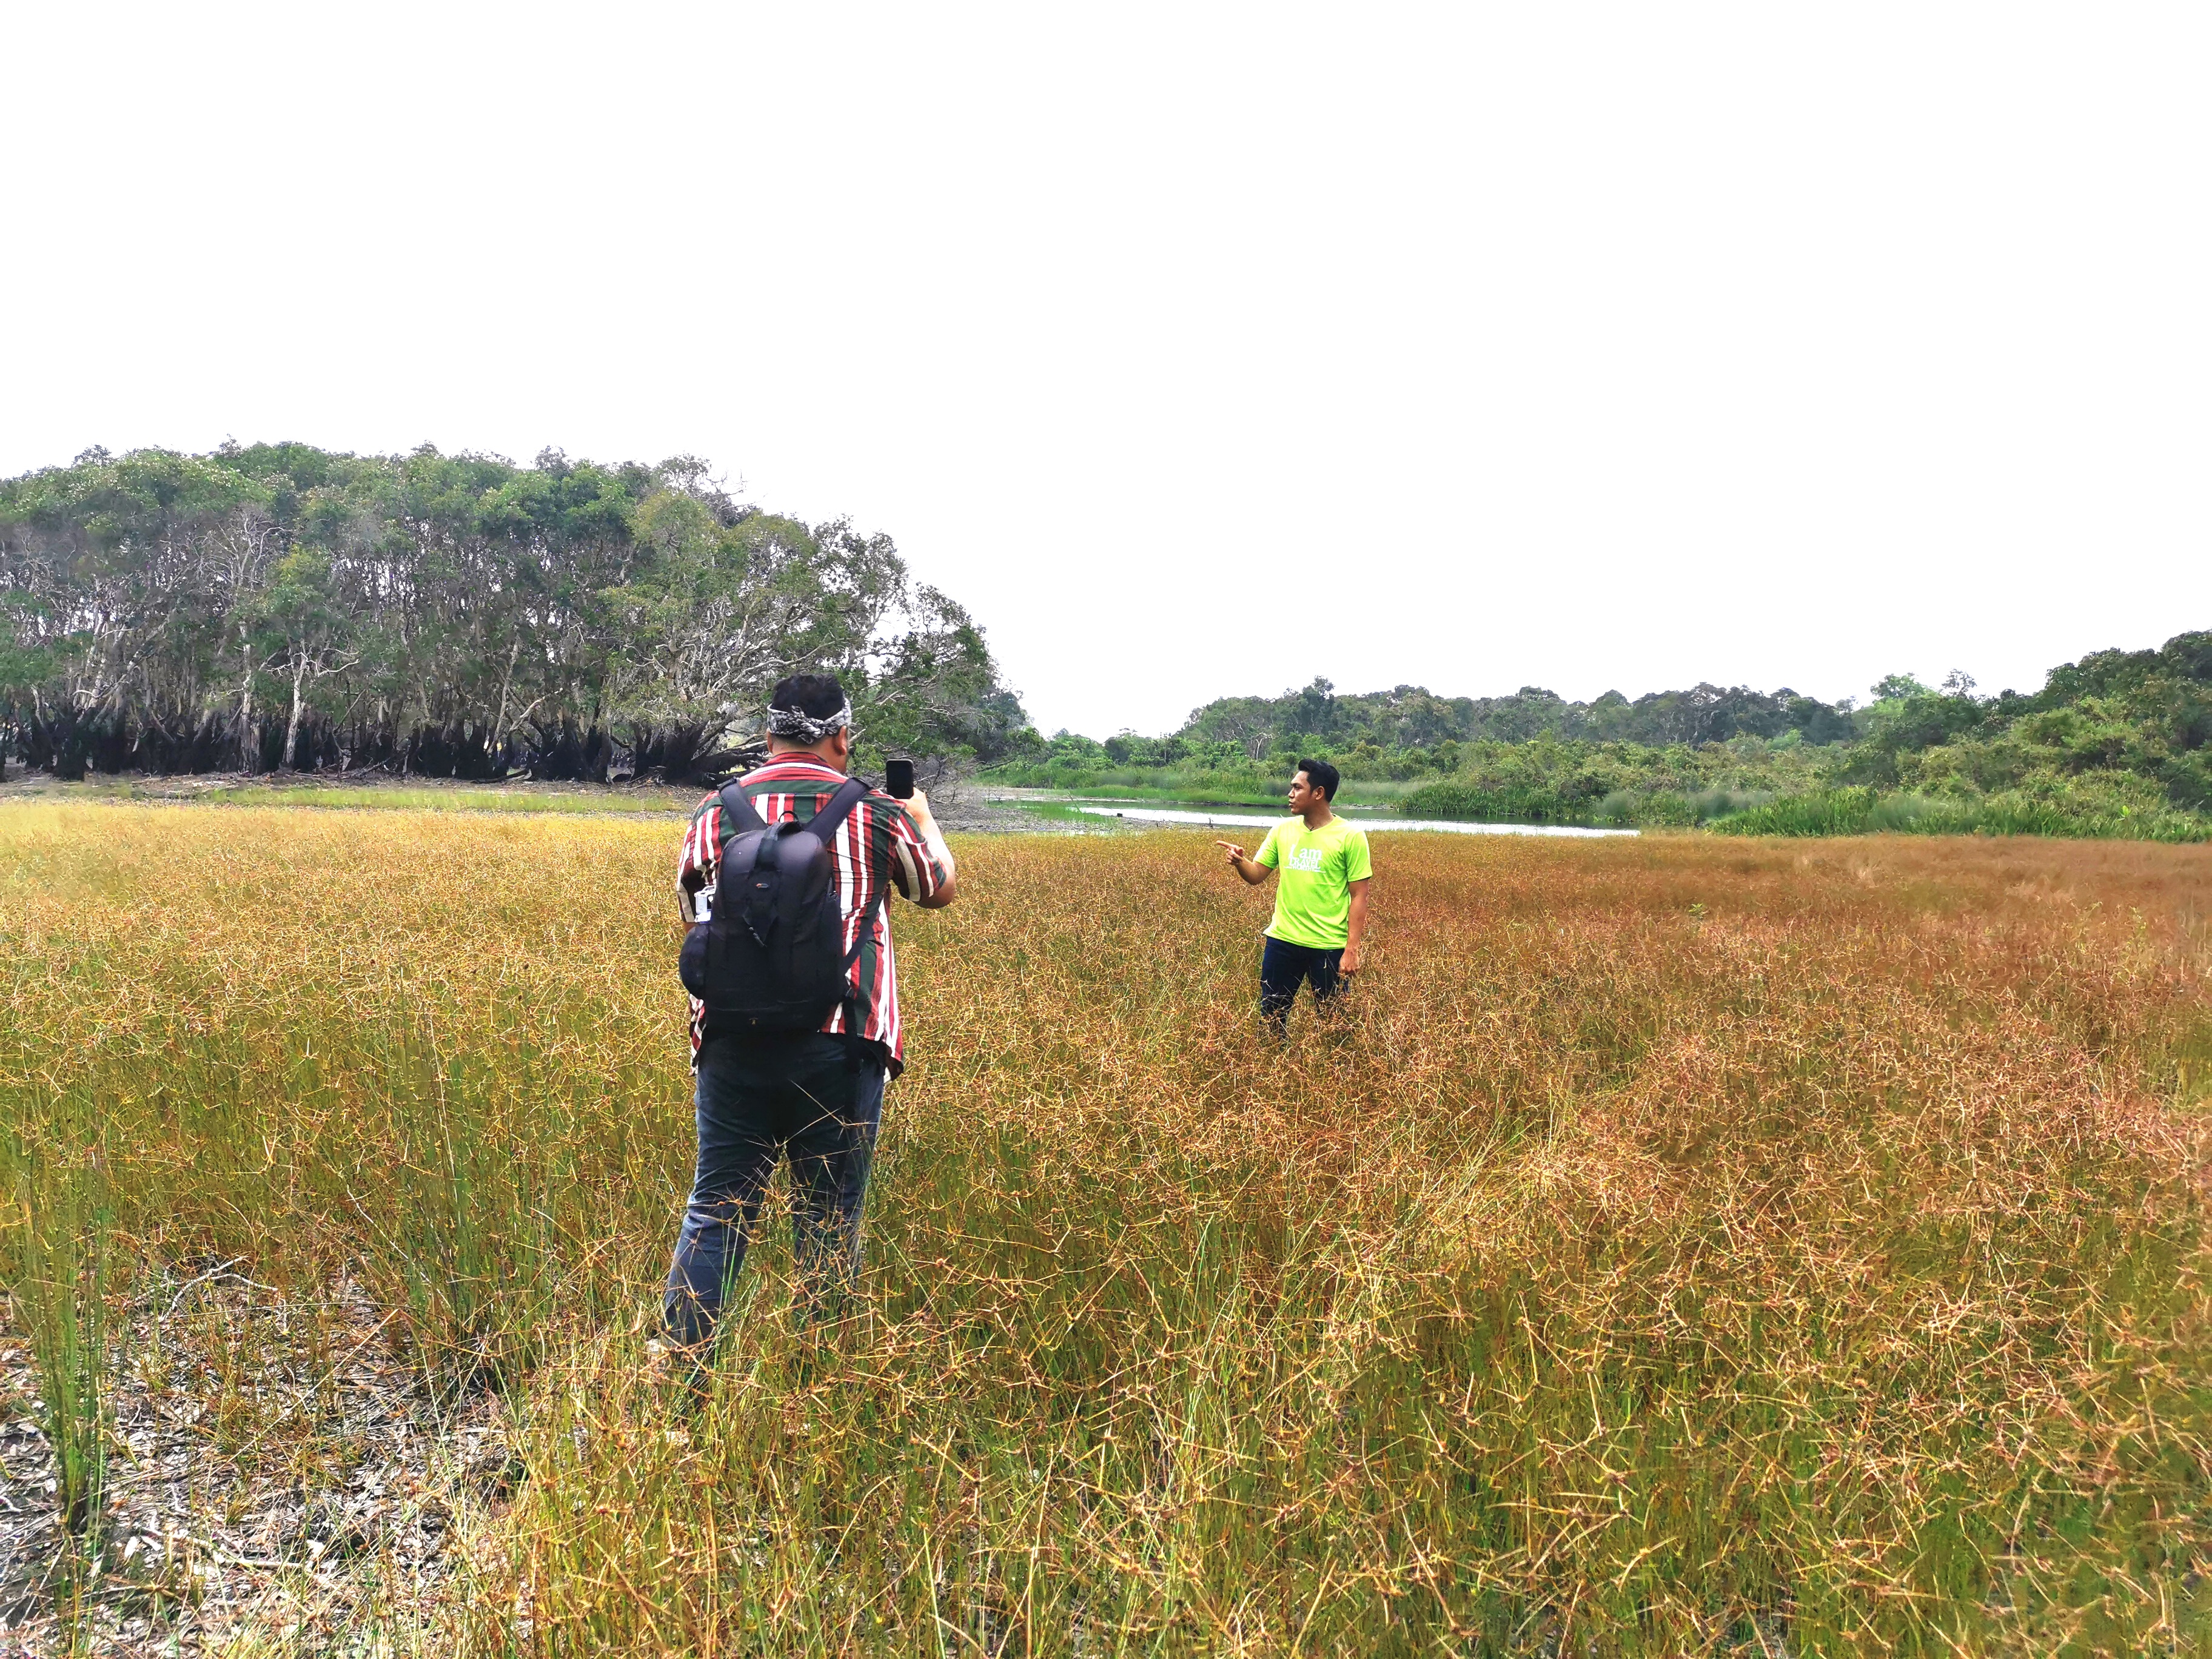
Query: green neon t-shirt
x,y
1313,893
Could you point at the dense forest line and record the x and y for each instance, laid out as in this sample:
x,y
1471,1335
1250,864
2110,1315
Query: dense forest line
x,y
1409,717
276,605
2119,742
1411,732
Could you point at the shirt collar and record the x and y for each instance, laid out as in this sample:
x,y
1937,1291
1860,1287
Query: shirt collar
x,y
813,761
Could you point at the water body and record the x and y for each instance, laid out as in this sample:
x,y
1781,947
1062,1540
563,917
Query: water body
x,y
1229,817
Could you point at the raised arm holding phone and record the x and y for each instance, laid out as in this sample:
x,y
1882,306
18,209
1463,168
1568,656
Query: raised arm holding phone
x,y
1320,901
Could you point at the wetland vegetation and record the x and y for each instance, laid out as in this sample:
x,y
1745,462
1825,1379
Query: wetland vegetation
x,y
1684,1244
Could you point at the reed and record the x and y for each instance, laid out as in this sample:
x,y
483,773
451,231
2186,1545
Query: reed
x,y
1859,812
1682,1245
57,1259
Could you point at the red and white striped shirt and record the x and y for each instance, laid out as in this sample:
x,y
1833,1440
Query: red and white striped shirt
x,y
879,840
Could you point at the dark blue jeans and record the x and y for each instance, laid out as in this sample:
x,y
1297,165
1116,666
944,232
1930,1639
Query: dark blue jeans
x,y
760,1098
1282,968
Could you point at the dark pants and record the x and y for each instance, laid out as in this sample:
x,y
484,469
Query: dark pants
x,y
1282,968
759,1097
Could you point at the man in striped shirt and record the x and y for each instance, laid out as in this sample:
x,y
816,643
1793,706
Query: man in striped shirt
x,y
814,1096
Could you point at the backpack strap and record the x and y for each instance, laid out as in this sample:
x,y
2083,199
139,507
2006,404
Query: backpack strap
x,y
824,825
740,806
834,811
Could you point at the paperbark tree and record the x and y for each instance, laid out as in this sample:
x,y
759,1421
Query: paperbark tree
x,y
456,615
300,619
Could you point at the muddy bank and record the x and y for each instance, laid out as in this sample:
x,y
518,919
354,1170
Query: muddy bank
x,y
274,1467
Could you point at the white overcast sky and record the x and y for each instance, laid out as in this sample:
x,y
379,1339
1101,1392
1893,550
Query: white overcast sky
x,y
1200,350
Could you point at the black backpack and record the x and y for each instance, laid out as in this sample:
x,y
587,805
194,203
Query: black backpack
x,y
772,953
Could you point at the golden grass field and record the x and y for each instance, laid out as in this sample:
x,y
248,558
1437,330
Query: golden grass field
x,y
1681,1246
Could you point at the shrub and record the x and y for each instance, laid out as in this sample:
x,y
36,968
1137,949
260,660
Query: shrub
x,y
1823,812
1863,811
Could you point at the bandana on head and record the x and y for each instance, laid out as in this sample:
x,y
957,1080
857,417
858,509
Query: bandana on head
x,y
797,726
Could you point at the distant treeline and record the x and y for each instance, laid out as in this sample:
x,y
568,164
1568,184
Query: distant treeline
x,y
1410,717
2119,742
1410,731
276,605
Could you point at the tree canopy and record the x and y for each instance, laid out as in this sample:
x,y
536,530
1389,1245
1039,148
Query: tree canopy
x,y
1412,717
278,606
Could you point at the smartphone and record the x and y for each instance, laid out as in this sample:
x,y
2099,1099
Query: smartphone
x,y
898,777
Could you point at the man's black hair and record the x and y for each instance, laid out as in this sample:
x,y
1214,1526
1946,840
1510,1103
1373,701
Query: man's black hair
x,y
1323,777
816,696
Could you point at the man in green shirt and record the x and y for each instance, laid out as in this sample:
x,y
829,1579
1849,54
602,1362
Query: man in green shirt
x,y
1321,902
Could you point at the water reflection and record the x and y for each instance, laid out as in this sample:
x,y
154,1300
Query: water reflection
x,y
1225,819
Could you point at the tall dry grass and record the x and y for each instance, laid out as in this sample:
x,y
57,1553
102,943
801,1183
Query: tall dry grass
x,y
1678,1245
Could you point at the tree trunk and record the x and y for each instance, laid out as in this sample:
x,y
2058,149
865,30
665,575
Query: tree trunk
x,y
292,727
499,721
245,745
